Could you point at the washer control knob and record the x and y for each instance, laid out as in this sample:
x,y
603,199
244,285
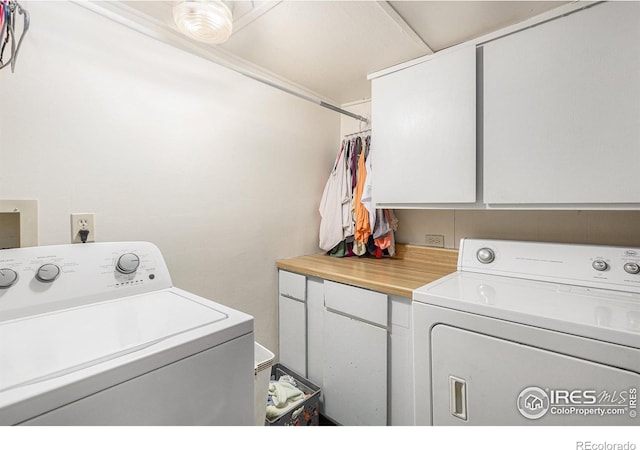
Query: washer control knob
x,y
485,255
600,265
128,263
48,273
632,268
8,277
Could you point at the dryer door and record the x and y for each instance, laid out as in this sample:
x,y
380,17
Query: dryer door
x,y
482,380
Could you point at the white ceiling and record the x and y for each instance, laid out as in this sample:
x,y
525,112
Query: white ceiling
x,y
329,47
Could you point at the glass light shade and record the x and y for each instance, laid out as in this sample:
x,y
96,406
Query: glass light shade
x,y
204,21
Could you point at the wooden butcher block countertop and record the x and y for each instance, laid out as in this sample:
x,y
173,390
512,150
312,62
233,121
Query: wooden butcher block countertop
x,y
412,266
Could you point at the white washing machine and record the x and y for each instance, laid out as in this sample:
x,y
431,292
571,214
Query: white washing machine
x,y
528,333
95,334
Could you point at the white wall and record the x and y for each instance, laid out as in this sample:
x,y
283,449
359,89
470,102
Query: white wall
x,y
349,125
579,227
585,227
223,173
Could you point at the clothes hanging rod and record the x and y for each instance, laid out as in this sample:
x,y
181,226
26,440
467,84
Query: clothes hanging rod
x,y
359,132
150,27
345,112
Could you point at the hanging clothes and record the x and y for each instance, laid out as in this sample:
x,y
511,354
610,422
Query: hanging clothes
x,y
367,191
332,204
381,226
350,223
382,231
347,218
393,223
363,225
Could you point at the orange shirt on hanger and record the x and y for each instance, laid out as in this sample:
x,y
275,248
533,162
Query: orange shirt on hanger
x,y
363,227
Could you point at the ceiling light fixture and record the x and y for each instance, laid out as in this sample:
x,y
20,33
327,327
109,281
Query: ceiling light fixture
x,y
207,21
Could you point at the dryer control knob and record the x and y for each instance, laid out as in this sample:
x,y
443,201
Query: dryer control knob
x,y
632,268
600,265
48,273
8,277
128,263
485,255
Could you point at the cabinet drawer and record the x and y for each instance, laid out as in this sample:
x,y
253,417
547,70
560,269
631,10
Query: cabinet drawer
x,y
357,302
292,285
292,321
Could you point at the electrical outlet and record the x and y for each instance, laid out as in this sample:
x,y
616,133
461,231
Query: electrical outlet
x,y
435,240
83,221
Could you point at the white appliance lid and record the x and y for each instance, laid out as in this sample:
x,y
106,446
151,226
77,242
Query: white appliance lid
x,y
601,314
50,345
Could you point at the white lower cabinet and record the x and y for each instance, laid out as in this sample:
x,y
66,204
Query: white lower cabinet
x,y
355,355
315,313
400,398
292,316
357,348
355,371
292,322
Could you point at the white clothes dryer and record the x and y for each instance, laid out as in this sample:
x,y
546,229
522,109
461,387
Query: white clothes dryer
x,y
95,334
528,333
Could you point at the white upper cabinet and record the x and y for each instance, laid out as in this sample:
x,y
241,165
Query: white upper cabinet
x,y
424,132
557,112
562,111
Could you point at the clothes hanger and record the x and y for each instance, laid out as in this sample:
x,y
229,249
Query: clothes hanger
x,y
11,9
358,133
4,18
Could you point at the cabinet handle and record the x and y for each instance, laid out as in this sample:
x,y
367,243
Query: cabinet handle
x,y
458,397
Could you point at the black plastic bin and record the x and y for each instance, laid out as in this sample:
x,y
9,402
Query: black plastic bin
x,y
302,414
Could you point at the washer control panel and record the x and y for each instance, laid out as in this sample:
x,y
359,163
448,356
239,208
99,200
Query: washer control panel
x,y
43,279
600,265
48,273
128,263
632,268
607,267
485,255
7,278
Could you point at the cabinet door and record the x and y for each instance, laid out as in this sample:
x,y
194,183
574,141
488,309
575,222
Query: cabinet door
x,y
424,138
355,371
315,313
400,362
292,322
562,110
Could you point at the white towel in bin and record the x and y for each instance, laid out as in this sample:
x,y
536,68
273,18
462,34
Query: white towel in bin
x,y
283,395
